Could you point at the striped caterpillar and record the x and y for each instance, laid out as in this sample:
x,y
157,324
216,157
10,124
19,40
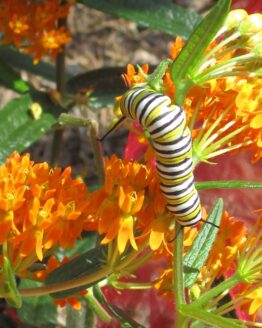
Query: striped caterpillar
x,y
171,141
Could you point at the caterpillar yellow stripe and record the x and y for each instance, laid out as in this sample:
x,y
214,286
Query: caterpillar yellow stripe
x,y
172,143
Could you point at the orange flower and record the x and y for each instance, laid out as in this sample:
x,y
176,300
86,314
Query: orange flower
x,y
255,298
230,240
127,207
132,77
40,208
225,100
32,26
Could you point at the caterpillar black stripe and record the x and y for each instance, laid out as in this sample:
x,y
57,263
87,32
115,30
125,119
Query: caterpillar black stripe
x,y
171,140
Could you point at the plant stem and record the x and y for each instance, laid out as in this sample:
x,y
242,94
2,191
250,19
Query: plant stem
x,y
98,152
178,283
209,318
225,285
96,306
132,285
227,184
82,281
60,86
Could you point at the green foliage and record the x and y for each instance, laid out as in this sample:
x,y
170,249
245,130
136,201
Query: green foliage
x,y
25,62
196,45
18,129
11,79
9,289
164,15
199,251
37,311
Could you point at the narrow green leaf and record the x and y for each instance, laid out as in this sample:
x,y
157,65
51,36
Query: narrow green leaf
x,y
11,79
199,40
198,253
227,184
25,62
81,266
162,15
18,129
37,311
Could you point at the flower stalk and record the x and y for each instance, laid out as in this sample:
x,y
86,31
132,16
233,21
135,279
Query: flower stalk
x,y
178,282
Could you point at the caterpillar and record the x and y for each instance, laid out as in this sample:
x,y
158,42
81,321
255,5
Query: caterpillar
x,y
172,144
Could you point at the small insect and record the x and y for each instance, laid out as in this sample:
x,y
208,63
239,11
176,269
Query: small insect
x,y
171,141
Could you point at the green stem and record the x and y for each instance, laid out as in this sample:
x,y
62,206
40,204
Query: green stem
x,y
227,184
60,86
56,146
219,152
131,285
206,57
139,261
225,285
98,152
178,282
209,318
225,65
96,306
71,120
78,282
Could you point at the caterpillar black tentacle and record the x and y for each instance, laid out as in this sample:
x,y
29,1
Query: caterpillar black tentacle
x,y
171,141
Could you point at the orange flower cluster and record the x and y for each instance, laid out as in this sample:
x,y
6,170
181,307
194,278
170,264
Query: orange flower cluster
x,y
32,26
130,206
228,107
40,208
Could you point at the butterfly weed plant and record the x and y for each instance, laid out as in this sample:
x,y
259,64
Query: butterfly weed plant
x,y
77,243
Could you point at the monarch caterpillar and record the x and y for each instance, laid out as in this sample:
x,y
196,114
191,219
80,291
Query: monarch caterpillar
x,y
171,141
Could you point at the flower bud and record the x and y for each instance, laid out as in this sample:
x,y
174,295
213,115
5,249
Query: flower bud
x,y
234,18
251,24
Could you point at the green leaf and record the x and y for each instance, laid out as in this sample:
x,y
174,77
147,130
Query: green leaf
x,y
18,129
9,289
199,40
161,15
38,310
81,266
227,184
25,62
198,253
11,79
